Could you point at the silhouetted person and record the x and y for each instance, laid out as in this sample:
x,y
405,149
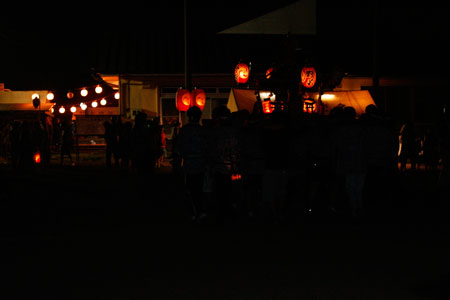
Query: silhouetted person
x,y
317,159
350,160
408,146
431,150
125,145
276,138
26,146
225,158
162,147
14,137
67,142
253,159
143,141
192,147
111,138
381,148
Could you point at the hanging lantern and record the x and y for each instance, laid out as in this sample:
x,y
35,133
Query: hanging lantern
x,y
84,92
269,73
267,107
83,106
236,177
103,102
37,158
62,110
117,95
199,98
308,77
241,73
70,95
98,89
73,109
309,106
183,99
50,96
94,104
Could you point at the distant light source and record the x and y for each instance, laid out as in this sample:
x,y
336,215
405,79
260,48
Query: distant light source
x,y
241,73
62,110
117,95
267,95
84,92
73,109
103,101
267,107
269,73
37,158
98,89
50,96
94,104
327,97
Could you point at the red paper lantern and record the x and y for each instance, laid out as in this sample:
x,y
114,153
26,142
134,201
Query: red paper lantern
x,y
183,99
308,77
37,158
235,177
199,98
241,73
267,107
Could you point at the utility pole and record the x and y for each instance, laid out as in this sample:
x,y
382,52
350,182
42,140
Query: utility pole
x,y
187,71
375,54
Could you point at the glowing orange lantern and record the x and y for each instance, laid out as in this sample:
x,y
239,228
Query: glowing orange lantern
x,y
309,106
269,73
37,158
308,76
235,177
183,99
267,107
199,98
241,73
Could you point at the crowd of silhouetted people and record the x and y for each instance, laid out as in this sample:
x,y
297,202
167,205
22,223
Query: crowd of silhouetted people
x,y
137,147
132,147
293,163
238,164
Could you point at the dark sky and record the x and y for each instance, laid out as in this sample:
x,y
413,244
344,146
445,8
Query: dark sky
x,y
410,36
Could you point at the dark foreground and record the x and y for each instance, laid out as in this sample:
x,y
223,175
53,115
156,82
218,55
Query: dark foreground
x,y
92,233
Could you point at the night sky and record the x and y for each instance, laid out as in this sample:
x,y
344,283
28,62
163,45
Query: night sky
x,y
411,40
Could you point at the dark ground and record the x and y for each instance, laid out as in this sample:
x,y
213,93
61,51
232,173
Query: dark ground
x,y
86,232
